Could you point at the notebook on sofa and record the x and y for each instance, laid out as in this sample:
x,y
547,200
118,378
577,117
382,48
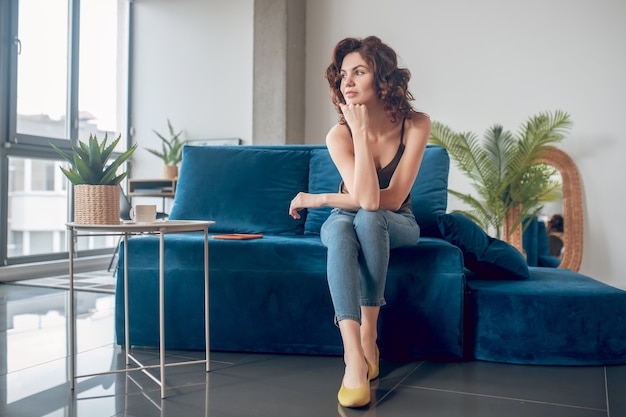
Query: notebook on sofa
x,y
238,236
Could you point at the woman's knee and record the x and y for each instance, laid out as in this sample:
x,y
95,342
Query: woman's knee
x,y
337,228
370,220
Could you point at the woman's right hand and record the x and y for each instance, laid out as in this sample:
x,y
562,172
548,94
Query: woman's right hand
x,y
301,201
356,116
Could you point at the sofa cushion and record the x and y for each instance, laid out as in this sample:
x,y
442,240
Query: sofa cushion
x,y
529,241
556,317
222,183
487,257
429,194
535,243
323,178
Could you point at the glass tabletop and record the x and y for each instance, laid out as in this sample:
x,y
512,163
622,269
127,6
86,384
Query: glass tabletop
x,y
156,226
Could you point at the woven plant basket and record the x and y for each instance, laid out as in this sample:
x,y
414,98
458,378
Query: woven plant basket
x,y
97,204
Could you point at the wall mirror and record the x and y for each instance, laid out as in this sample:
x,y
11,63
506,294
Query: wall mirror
x,y
572,209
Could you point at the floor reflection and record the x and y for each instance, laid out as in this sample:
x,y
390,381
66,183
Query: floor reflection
x,y
34,359
34,379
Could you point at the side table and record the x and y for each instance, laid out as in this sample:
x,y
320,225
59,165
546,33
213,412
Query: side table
x,y
128,229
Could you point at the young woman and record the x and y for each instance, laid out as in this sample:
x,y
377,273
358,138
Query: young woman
x,y
377,146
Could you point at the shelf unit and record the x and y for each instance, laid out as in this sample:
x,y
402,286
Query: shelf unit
x,y
152,187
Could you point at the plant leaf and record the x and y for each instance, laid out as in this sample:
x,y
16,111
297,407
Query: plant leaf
x,y
88,163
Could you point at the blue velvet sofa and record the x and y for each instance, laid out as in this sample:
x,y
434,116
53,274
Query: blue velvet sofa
x,y
535,244
458,294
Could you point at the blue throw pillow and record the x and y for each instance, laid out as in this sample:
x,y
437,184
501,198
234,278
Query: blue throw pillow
x,y
429,194
487,257
244,189
323,178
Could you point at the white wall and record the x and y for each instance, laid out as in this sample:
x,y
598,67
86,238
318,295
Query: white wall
x,y
476,63
193,65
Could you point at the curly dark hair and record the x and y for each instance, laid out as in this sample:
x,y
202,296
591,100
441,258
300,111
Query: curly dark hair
x,y
555,224
390,82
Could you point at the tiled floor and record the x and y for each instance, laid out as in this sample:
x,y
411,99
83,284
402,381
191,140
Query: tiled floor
x,y
34,377
95,281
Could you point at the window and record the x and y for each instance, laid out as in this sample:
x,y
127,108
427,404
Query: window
x,y
37,207
101,84
42,68
67,76
42,175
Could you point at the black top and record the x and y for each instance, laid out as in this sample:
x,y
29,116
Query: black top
x,y
385,173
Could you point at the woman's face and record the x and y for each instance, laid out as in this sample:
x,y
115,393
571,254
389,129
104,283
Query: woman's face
x,y
357,80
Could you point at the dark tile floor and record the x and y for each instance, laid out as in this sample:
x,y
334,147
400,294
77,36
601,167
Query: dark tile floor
x,y
34,377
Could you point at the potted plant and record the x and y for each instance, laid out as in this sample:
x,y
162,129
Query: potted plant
x,y
96,181
171,151
510,181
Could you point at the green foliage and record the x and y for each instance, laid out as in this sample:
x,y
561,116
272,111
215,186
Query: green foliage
x,y
171,149
503,167
89,162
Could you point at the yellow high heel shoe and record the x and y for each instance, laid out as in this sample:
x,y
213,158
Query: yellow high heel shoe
x,y
373,369
355,397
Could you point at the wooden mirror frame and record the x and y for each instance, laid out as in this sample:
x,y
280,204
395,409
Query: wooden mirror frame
x,y
572,210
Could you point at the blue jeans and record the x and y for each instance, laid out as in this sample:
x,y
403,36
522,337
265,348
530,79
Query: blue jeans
x,y
358,255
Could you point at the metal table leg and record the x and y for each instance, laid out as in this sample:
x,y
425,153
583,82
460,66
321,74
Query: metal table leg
x,y
72,315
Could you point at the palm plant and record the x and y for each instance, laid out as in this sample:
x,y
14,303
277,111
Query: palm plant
x,y
504,168
171,151
89,163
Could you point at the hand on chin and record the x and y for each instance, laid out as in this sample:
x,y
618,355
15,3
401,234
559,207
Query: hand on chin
x,y
355,114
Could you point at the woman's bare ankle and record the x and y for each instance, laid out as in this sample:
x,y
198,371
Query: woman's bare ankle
x,y
356,370
369,347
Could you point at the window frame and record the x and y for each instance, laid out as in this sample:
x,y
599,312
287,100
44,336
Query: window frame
x,y
14,144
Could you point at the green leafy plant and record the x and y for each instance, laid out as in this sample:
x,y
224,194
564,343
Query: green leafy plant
x,y
172,149
504,168
89,163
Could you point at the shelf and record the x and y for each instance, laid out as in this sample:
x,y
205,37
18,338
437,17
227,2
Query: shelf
x,y
152,187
